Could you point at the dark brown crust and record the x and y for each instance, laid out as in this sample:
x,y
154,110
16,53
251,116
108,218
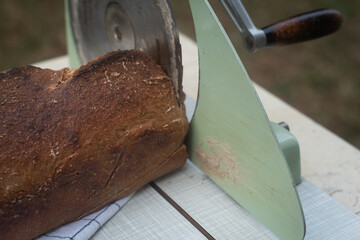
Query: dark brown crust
x,y
71,141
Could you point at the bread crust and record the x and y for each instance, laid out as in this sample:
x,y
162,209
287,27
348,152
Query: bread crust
x,y
72,141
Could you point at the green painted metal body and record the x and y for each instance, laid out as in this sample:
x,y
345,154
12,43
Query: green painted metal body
x,y
74,59
230,137
290,147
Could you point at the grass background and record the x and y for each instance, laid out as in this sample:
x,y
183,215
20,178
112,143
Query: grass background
x,y
320,78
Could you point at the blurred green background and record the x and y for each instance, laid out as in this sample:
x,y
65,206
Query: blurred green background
x,y
320,78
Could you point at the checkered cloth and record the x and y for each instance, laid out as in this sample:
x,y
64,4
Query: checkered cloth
x,y
87,226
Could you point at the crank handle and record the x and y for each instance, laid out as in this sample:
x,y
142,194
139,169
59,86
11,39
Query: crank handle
x,y
296,29
303,27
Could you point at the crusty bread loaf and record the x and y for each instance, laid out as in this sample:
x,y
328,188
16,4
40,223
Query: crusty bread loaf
x,y
72,141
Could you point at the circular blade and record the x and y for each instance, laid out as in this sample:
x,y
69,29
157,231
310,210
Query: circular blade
x,y
101,26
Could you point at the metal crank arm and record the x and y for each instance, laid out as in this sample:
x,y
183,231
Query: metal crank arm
x,y
299,28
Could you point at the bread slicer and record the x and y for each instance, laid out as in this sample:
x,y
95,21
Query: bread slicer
x,y
230,137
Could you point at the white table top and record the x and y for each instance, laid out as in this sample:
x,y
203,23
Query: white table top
x,y
328,161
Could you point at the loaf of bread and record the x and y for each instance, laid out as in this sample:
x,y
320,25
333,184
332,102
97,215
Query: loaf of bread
x,y
72,141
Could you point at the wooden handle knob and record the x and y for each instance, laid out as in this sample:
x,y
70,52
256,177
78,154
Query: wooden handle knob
x,y
303,27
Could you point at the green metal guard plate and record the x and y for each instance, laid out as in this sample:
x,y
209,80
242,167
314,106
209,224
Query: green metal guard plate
x,y
230,138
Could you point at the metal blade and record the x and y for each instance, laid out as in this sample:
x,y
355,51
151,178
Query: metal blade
x,y
230,138
101,26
